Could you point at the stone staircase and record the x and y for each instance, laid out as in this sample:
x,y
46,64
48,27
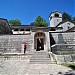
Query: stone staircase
x,y
40,57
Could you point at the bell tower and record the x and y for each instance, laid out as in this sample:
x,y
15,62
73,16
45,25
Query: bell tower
x,y
55,18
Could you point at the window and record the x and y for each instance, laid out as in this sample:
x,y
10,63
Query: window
x,y
16,29
21,29
68,27
68,23
56,15
57,20
51,17
27,29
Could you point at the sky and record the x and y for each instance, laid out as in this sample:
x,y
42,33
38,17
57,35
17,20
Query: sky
x,y
27,10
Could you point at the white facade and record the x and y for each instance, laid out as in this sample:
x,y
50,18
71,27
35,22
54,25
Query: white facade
x,y
66,26
55,18
21,32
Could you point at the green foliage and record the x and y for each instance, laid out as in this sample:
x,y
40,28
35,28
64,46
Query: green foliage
x,y
39,22
74,20
66,16
14,22
72,65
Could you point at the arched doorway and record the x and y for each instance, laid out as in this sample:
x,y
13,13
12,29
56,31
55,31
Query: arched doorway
x,y
39,41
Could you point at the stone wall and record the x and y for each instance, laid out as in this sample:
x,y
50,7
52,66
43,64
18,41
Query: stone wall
x,y
13,43
64,43
64,38
64,58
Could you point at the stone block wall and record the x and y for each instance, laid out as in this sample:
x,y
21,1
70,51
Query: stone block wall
x,y
63,49
64,42
13,43
64,38
64,58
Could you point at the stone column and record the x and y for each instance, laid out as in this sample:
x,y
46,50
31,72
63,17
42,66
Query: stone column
x,y
32,43
22,48
47,39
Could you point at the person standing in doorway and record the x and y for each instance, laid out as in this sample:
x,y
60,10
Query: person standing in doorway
x,y
24,47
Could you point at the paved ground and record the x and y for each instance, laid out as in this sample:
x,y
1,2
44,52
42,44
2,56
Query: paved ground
x,y
46,69
20,65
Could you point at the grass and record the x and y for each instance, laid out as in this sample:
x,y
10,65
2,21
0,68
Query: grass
x,y
70,65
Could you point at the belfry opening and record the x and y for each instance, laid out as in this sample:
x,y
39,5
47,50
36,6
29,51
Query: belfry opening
x,y
39,41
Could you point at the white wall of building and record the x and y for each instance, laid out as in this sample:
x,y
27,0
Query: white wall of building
x,y
67,25
21,32
54,21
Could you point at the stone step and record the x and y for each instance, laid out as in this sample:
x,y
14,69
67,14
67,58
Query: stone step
x,y
40,58
40,55
40,62
42,52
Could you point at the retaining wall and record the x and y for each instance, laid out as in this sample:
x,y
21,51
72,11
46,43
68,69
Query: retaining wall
x,y
64,42
64,58
13,43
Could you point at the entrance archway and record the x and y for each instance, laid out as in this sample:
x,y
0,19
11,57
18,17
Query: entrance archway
x,y
39,41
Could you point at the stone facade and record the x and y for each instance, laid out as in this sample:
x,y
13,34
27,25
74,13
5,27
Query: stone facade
x,y
14,43
64,58
64,42
46,39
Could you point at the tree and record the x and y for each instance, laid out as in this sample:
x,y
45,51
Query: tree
x,y
14,22
74,20
66,16
39,22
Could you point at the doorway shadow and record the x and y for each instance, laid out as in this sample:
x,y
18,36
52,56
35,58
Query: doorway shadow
x,y
40,44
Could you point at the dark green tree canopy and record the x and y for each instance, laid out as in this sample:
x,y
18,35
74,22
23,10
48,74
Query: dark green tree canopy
x,y
74,20
14,22
66,16
39,22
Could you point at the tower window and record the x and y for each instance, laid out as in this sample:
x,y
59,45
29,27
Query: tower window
x,y
57,20
56,15
68,27
68,23
51,17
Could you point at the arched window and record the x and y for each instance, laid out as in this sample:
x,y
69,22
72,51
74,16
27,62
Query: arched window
x,y
51,17
68,27
21,29
68,23
27,29
56,15
16,29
